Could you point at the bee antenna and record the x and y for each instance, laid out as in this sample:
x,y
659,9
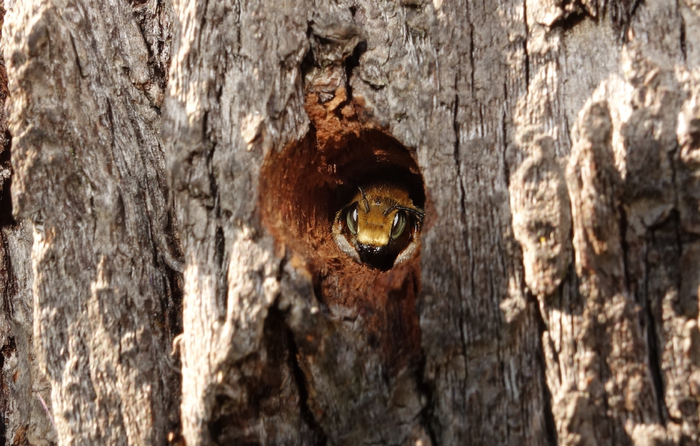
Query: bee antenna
x,y
364,200
404,208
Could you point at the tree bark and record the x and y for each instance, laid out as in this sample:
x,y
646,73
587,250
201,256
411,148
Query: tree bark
x,y
169,273
89,180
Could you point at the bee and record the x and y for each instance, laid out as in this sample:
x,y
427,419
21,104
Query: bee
x,y
380,226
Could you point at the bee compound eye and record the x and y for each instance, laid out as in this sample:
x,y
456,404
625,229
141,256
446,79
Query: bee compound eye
x,y
351,220
398,225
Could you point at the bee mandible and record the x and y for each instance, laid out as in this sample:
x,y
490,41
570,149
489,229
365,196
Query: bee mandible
x,y
380,226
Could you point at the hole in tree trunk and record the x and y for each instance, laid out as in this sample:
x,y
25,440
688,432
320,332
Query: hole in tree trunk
x,y
366,339
302,189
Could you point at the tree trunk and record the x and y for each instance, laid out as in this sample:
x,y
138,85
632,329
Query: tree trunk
x,y
177,168
89,187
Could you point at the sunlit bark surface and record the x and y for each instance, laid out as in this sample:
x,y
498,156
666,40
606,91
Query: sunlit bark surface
x,y
176,166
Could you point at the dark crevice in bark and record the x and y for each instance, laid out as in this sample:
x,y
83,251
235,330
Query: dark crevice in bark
x,y
457,155
6,217
307,63
352,62
219,93
481,116
219,248
567,134
222,271
655,368
77,57
569,21
547,413
220,240
682,33
471,60
506,169
174,278
625,246
300,380
174,303
671,224
412,6
527,54
213,186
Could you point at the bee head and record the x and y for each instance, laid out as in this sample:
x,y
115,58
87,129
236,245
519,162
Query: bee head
x,y
379,224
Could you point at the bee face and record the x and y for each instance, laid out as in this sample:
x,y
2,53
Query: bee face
x,y
380,226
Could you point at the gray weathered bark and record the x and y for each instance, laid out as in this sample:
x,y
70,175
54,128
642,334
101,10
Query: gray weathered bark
x,y
554,146
86,88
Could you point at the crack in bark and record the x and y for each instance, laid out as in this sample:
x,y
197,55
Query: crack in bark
x,y
682,35
569,21
77,57
239,13
219,254
527,54
471,59
547,412
300,380
655,366
653,341
462,315
351,63
506,168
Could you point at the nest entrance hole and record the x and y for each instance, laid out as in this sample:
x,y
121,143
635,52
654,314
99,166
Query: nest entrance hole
x,y
302,189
